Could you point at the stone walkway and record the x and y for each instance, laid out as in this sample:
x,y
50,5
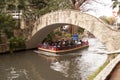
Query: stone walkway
x,y
115,74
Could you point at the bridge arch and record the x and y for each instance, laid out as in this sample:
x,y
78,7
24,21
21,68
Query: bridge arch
x,y
45,24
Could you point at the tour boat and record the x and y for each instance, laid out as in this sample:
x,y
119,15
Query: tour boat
x,y
59,50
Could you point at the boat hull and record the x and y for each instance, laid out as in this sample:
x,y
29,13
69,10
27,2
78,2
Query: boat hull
x,y
63,50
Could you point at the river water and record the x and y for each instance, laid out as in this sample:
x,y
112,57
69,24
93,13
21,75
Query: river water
x,y
29,65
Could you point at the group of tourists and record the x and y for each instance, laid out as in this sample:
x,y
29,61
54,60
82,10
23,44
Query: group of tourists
x,y
73,41
62,43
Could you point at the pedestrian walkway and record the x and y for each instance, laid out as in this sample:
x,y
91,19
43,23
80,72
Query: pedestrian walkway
x,y
115,74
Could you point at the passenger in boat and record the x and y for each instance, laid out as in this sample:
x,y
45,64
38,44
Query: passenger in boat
x,y
59,45
66,43
86,42
72,42
63,43
80,42
75,38
45,44
50,43
55,44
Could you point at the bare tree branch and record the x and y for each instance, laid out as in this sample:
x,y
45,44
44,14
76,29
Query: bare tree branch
x,y
79,4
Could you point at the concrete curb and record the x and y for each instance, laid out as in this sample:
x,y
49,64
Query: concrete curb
x,y
107,70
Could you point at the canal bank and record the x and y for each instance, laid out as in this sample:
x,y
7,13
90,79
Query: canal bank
x,y
4,48
14,44
104,74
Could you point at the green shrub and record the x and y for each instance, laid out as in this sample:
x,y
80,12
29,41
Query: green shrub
x,y
16,43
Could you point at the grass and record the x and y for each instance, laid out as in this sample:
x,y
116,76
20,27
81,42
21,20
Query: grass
x,y
92,76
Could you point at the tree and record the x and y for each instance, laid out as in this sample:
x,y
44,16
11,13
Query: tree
x,y
104,19
108,20
7,24
116,4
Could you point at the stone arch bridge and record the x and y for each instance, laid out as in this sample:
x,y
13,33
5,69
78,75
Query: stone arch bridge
x,y
45,24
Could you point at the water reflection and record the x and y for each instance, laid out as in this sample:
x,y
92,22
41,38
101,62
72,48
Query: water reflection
x,y
49,59
29,65
96,46
13,74
80,67
62,66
